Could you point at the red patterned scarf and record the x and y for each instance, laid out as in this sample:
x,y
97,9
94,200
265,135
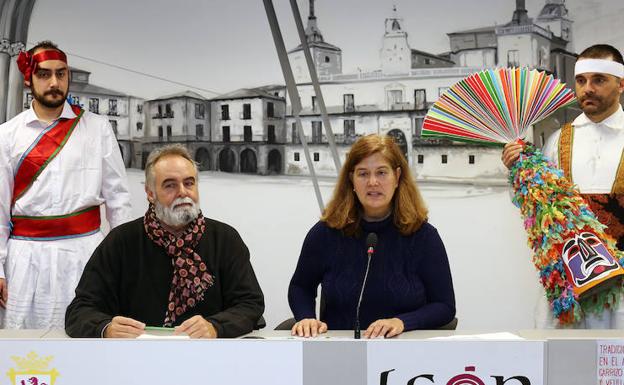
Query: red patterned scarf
x,y
190,274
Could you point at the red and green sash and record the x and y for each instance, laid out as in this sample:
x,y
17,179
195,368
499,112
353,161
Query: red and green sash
x,y
45,148
41,152
80,223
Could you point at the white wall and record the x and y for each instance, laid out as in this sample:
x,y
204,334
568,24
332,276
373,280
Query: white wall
x,y
395,54
494,279
477,58
236,121
374,92
177,122
192,121
300,67
529,46
323,167
557,26
364,125
487,166
136,117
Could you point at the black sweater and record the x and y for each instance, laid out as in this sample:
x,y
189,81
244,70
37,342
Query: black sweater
x,y
409,277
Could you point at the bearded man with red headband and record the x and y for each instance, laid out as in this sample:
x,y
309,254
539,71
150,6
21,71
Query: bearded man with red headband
x,y
590,152
58,164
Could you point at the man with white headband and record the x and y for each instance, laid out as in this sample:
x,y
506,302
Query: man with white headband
x,y
58,165
590,151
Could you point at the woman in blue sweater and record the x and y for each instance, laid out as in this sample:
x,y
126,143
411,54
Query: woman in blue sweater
x,y
409,283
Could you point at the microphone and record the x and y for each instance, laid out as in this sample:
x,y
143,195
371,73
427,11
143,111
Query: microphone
x,y
371,242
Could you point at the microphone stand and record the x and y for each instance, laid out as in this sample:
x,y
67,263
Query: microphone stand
x,y
356,330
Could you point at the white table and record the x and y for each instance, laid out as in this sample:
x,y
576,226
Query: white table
x,y
553,357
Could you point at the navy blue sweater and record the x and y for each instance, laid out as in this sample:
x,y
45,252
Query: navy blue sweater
x,y
409,277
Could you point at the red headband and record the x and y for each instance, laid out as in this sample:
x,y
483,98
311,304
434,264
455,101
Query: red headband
x,y
27,63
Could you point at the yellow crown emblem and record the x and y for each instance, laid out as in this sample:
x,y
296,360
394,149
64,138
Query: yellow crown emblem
x,y
32,361
35,367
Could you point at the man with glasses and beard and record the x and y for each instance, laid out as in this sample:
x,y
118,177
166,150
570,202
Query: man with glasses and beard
x,y
58,165
590,152
171,268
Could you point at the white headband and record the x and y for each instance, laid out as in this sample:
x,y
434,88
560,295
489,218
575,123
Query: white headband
x,y
599,65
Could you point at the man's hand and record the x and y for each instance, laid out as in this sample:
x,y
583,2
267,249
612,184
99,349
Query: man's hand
x,y
511,153
309,327
4,293
385,328
123,327
197,327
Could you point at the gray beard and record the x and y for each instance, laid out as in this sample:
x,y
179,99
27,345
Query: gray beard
x,y
177,217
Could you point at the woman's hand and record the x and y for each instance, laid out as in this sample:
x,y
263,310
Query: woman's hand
x,y
385,327
308,327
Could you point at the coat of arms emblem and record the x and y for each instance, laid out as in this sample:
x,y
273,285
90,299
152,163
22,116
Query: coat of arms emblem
x,y
32,370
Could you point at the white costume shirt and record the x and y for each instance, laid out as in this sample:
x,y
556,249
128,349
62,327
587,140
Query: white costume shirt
x,y
88,171
596,152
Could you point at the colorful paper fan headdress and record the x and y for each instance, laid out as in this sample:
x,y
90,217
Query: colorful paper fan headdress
x,y
495,106
579,265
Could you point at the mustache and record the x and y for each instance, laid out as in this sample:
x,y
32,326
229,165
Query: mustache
x,y
180,201
593,98
54,92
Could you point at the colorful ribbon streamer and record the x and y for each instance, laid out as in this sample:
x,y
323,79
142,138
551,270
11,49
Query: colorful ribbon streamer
x,y
551,207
